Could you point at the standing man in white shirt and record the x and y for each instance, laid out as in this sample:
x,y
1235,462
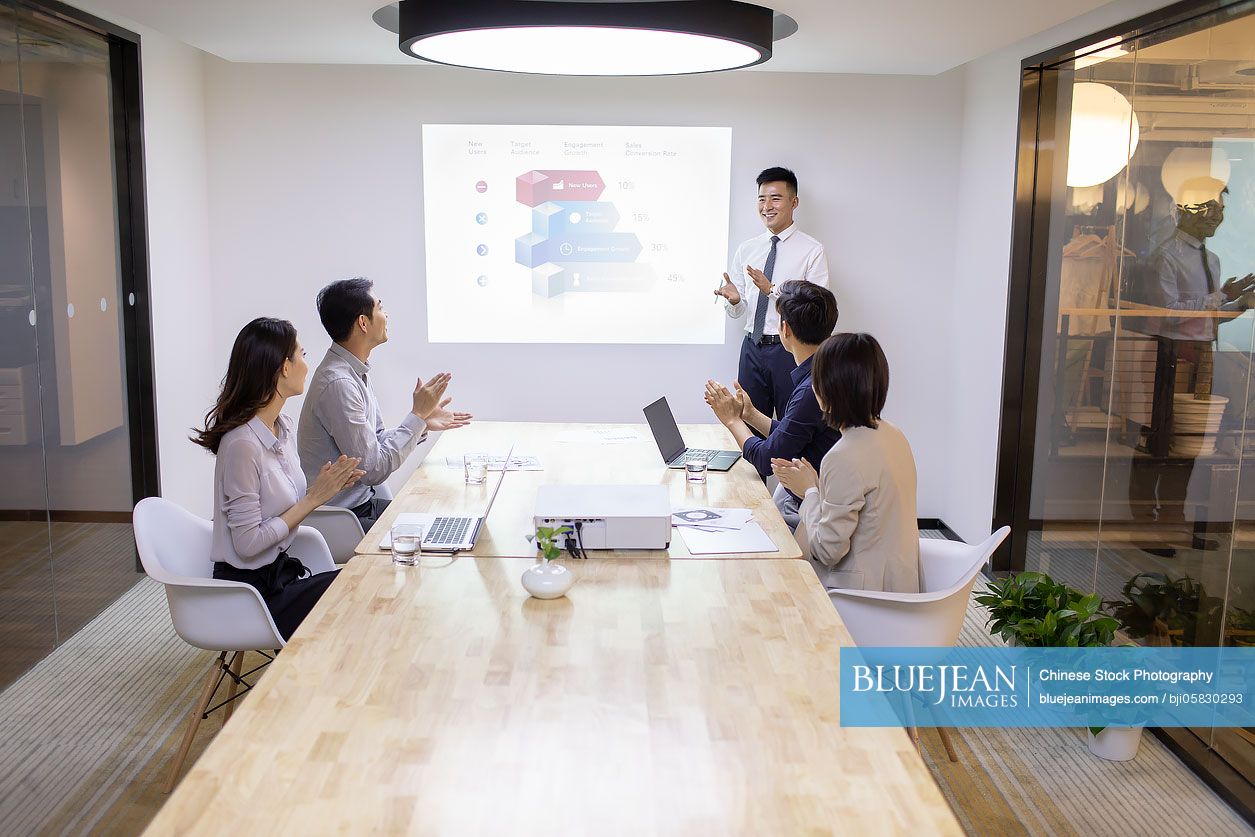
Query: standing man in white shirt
x,y
761,265
341,413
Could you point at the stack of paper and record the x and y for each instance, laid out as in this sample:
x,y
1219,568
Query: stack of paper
x,y
710,531
599,436
496,461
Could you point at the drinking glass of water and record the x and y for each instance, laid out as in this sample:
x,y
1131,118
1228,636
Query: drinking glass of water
x,y
475,468
695,469
407,543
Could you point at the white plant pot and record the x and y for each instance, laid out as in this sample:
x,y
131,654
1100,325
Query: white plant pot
x,y
1115,743
547,580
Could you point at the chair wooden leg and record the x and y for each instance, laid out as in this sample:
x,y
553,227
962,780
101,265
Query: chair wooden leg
x,y
237,665
945,742
914,733
193,720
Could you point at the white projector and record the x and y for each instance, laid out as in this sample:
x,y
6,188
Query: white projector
x,y
608,516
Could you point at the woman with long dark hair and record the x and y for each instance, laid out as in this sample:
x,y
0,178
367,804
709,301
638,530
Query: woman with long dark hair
x,y
260,494
858,522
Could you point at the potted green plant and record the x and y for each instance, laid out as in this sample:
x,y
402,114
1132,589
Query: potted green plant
x,y
1162,611
1167,611
1035,611
547,579
1114,743
1240,627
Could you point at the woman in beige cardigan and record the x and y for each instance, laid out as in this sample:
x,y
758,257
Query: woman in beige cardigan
x,y
858,524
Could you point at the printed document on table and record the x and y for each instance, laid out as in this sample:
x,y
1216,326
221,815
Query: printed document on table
x,y
711,518
599,436
497,460
749,538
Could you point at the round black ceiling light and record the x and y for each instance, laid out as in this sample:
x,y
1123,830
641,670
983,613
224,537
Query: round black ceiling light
x,y
554,37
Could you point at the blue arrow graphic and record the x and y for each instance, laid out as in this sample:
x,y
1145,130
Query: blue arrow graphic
x,y
532,249
557,218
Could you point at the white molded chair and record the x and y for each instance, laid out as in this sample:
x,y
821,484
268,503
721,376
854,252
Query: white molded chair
x,y
225,616
930,618
340,528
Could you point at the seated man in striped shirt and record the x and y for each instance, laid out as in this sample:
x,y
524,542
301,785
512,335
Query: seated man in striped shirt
x,y
341,414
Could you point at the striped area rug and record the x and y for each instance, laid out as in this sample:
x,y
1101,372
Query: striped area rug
x,y
1046,782
86,738
78,728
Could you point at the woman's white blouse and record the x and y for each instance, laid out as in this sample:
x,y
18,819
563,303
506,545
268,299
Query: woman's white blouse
x,y
257,478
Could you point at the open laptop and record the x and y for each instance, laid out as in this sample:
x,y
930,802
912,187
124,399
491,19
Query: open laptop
x,y
449,533
671,443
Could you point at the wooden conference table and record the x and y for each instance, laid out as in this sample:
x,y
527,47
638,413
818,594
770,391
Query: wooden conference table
x,y
570,458
659,697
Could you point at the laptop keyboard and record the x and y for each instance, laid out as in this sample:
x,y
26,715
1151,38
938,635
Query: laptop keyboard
x,y
702,452
448,530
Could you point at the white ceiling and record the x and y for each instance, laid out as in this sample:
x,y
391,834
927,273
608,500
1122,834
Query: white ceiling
x,y
917,37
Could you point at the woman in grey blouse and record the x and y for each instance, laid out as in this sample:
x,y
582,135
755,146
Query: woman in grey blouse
x,y
858,524
260,493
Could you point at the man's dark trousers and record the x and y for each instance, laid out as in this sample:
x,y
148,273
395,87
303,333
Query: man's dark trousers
x,y
764,373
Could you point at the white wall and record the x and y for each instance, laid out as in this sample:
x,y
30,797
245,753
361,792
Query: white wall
x,y
316,175
187,370
978,304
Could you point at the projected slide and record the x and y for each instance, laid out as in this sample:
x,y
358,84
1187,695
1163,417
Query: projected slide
x,y
575,234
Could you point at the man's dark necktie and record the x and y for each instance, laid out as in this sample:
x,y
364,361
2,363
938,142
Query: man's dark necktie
x,y
760,311
1211,280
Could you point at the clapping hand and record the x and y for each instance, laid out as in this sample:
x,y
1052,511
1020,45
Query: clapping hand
x,y
442,419
1235,287
728,291
726,406
427,396
797,475
747,406
760,279
334,477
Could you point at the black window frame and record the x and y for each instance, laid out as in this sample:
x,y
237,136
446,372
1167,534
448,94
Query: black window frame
x,y
1026,285
1027,311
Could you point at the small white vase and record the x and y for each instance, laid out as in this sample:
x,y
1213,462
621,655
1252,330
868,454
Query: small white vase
x,y
547,580
1115,743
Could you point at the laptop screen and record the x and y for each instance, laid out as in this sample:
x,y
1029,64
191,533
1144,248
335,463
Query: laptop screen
x,y
492,498
666,431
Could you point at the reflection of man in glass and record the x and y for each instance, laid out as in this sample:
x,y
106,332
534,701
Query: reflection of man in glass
x,y
1186,275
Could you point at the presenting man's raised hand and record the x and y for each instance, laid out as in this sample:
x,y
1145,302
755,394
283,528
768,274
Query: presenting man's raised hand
x,y
728,291
759,279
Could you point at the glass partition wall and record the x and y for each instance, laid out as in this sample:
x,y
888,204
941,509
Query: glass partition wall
x,y
77,442
1126,464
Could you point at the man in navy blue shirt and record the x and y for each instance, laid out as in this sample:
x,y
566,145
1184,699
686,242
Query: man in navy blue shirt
x,y
808,314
